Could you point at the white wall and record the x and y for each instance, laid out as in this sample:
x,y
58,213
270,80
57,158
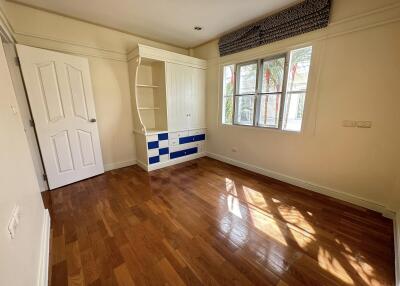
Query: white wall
x,y
107,51
18,186
355,76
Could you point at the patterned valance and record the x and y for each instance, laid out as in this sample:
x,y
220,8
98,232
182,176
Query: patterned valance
x,y
304,17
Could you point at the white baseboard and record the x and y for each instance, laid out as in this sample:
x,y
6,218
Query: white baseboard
x,y
307,185
117,165
43,276
396,228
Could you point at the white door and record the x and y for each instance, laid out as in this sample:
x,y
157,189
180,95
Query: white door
x,y
177,79
197,102
61,98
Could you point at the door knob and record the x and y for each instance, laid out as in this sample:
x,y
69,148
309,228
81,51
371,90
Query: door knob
x,y
92,120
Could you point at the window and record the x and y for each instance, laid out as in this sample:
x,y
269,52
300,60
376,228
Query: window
x,y
267,92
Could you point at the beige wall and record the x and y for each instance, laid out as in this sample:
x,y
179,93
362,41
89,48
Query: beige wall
x,y
18,186
107,51
355,76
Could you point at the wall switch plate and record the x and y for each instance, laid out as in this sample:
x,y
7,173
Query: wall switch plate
x,y
364,124
349,123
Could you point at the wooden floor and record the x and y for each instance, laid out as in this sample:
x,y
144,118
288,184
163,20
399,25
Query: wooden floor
x,y
207,223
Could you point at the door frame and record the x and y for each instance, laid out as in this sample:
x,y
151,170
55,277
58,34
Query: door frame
x,y
7,37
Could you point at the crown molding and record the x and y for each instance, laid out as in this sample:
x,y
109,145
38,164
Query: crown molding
x,y
5,28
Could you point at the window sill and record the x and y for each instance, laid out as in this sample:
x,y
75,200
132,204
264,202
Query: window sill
x,y
262,129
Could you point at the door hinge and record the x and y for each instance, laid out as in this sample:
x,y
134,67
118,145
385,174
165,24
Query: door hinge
x,y
17,61
31,123
44,177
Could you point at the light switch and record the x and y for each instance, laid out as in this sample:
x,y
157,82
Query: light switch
x,y
349,123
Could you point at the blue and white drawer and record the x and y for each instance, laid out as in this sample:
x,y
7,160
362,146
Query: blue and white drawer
x,y
186,143
173,145
157,148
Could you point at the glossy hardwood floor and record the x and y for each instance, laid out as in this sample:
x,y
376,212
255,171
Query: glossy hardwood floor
x,y
208,223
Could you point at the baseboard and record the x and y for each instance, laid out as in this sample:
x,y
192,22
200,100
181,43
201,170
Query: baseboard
x,y
396,226
307,185
43,276
113,166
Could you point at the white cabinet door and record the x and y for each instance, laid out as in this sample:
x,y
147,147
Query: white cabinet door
x,y
60,94
197,102
177,90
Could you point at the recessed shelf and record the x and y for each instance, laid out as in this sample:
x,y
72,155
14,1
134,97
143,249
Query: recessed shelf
x,y
149,108
147,85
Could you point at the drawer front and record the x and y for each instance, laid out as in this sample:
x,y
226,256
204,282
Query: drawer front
x,y
163,144
183,153
189,139
164,158
162,136
151,138
154,160
152,145
152,153
163,151
178,134
197,132
174,142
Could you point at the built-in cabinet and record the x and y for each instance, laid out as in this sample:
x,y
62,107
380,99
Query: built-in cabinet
x,y
168,106
186,97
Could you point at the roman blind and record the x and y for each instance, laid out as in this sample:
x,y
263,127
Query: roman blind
x,y
301,18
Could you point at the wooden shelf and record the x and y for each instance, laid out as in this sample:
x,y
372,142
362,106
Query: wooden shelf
x,y
147,86
148,108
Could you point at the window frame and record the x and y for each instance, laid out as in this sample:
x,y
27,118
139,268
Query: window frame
x,y
237,87
258,93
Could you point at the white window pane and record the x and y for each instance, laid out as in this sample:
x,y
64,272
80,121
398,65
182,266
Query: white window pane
x,y
293,113
299,67
272,75
227,112
228,80
244,107
228,83
269,110
247,78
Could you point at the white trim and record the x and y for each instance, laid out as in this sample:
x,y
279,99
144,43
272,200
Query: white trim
x,y
43,275
5,28
117,165
306,185
168,163
396,228
167,56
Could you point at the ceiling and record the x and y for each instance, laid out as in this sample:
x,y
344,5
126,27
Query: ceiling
x,y
168,21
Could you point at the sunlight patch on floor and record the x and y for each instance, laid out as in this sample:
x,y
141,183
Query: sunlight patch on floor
x,y
329,263
232,199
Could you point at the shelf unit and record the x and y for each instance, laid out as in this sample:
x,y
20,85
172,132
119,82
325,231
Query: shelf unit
x,y
168,106
147,85
149,96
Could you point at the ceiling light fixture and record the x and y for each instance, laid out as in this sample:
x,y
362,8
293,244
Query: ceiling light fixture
x,y
198,28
